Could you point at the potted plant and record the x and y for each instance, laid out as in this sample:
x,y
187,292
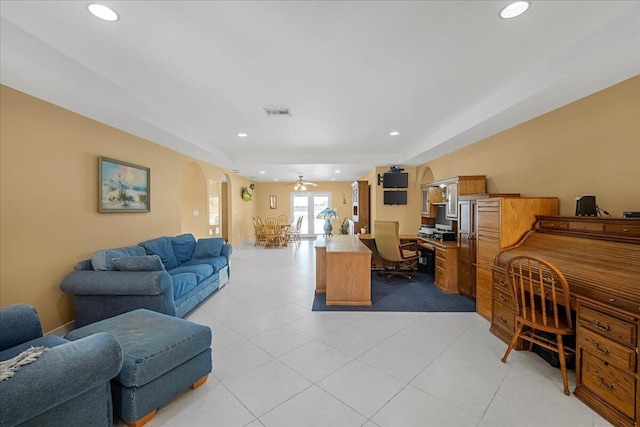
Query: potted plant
x,y
363,229
344,226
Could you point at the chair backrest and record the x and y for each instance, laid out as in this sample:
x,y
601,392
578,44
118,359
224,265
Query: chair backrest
x,y
538,289
283,220
388,239
299,224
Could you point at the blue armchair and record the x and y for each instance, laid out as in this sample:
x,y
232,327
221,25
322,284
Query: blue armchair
x,y
67,385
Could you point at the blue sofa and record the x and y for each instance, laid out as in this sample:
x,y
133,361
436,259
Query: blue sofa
x,y
170,275
67,385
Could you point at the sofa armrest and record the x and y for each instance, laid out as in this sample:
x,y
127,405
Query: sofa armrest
x,y
20,323
58,375
226,251
90,282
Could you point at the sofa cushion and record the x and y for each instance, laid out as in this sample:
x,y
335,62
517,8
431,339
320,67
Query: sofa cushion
x,y
161,247
216,263
139,263
183,247
183,283
102,259
208,248
202,271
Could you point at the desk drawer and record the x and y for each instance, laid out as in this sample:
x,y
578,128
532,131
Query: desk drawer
x,y
439,277
625,230
503,317
503,296
614,386
609,351
554,224
440,263
441,253
603,324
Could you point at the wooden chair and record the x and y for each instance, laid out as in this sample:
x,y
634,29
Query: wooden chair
x,y
389,247
259,231
283,220
293,233
274,233
539,289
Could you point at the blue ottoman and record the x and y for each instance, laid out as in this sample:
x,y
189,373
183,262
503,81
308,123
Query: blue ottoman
x,y
162,355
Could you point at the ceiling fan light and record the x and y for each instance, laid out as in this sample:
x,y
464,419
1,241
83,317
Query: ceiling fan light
x,y
303,187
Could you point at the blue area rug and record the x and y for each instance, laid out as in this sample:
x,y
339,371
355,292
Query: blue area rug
x,y
401,295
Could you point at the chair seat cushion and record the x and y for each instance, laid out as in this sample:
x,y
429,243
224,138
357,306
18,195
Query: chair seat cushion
x,y
183,283
152,343
201,271
216,263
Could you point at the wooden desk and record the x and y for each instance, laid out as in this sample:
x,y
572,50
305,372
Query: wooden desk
x,y
446,260
600,257
343,270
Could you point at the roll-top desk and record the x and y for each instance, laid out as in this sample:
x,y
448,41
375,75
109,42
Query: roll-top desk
x,y
600,257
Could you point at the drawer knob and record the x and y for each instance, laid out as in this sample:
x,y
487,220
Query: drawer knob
x,y
597,348
502,283
612,300
502,298
600,326
625,230
502,319
604,385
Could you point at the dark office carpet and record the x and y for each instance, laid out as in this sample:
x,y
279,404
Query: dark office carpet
x,y
401,295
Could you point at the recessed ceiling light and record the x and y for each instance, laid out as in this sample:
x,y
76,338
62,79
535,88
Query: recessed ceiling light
x,y
333,179
336,171
394,133
263,171
275,179
514,9
242,135
103,12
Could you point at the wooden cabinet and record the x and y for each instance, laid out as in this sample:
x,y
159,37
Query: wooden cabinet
x,y
467,247
360,202
452,200
446,192
502,221
606,365
431,196
446,259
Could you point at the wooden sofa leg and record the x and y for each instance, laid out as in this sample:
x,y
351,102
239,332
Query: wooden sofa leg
x,y
142,421
199,382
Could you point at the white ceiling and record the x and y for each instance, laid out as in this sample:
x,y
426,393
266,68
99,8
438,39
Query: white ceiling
x,y
191,75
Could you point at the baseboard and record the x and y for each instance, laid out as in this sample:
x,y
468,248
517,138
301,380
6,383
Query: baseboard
x,y
63,330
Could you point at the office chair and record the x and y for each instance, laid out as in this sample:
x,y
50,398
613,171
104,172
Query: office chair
x,y
388,244
539,290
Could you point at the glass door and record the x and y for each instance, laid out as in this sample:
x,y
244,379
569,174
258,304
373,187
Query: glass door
x,y
308,205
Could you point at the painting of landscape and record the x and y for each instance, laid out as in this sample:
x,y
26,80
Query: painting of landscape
x,y
124,187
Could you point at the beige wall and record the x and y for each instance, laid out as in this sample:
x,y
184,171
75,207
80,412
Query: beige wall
x,y
589,147
48,199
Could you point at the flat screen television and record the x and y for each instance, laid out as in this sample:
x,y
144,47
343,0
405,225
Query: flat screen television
x,y
395,197
395,180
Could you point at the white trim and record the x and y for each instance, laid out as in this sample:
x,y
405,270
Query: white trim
x,y
63,330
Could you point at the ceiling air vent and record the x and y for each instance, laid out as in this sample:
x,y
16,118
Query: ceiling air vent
x,y
277,111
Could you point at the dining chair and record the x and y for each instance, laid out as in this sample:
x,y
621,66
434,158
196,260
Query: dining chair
x,y
259,231
387,240
274,233
293,233
542,302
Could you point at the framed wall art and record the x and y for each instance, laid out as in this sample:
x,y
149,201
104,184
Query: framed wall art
x,y
273,202
123,186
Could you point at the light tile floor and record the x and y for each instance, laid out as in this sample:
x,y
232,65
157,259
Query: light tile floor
x,y
278,364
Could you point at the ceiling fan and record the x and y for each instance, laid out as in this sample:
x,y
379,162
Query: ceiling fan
x,y
301,184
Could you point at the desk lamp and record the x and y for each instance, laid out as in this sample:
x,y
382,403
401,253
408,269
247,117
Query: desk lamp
x,y
327,214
